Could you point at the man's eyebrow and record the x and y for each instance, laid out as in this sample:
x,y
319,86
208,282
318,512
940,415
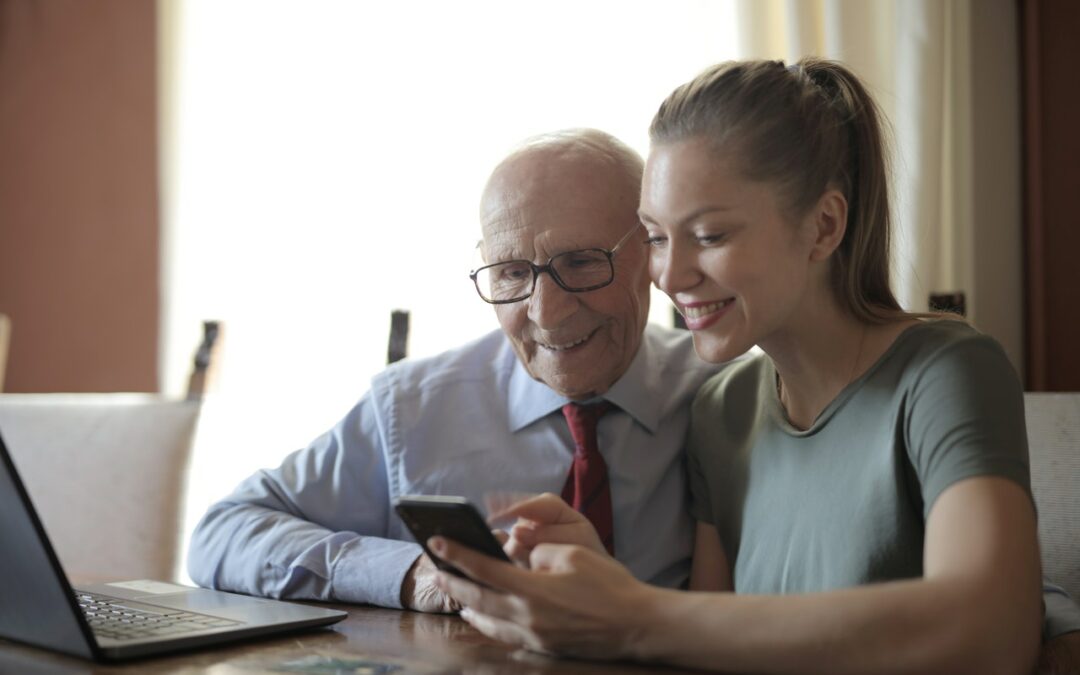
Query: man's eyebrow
x,y
494,254
690,217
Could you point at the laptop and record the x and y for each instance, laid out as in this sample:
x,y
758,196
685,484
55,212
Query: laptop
x,y
120,620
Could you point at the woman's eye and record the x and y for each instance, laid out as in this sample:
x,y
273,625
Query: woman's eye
x,y
710,239
655,242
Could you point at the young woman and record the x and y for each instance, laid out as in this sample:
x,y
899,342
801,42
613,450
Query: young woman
x,y
862,486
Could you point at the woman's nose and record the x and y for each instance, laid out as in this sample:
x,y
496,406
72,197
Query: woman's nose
x,y
672,269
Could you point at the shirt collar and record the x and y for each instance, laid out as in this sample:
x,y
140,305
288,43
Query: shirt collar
x,y
529,400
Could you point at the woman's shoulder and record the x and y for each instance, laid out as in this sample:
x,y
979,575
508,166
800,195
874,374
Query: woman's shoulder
x,y
733,398
743,375
933,344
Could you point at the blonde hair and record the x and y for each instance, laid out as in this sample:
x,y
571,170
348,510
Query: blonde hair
x,y
806,128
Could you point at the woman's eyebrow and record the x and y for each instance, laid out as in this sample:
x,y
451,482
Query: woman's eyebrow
x,y
690,217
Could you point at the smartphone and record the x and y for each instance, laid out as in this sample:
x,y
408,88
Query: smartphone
x,y
451,517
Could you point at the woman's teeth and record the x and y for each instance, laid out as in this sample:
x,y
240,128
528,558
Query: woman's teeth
x,y
703,310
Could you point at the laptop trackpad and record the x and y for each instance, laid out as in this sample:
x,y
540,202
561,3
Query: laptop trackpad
x,y
228,605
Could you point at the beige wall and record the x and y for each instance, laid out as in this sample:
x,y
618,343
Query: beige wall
x,y
996,302
78,194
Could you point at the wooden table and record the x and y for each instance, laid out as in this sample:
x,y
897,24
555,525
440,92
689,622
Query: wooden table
x,y
418,643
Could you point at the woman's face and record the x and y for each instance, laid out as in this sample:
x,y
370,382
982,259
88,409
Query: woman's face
x,y
722,250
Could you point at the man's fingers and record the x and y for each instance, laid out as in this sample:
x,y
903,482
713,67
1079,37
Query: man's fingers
x,y
462,591
479,599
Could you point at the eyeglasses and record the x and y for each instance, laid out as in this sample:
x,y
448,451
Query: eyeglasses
x,y
575,271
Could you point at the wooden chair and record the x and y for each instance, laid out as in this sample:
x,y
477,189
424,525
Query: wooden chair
x,y
398,347
204,364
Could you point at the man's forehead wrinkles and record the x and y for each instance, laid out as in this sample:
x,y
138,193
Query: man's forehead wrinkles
x,y
506,238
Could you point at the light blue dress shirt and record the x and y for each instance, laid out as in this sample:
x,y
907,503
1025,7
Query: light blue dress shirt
x,y
468,422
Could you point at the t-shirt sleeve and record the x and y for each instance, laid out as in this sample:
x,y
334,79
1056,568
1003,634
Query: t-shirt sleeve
x,y
723,418
965,418
700,503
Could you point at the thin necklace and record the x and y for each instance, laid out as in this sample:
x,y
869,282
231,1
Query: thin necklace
x,y
851,376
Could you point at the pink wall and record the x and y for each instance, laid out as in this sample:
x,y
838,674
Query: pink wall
x,y
78,194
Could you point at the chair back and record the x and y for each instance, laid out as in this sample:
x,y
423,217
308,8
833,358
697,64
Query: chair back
x,y
106,473
1053,427
5,345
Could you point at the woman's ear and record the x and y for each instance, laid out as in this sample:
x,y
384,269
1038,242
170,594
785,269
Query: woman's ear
x,y
830,223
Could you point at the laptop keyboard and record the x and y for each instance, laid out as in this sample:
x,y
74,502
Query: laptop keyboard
x,y
117,619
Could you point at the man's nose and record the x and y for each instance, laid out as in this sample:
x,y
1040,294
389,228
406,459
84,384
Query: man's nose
x,y
550,304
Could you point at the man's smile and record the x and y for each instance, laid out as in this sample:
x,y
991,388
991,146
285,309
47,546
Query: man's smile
x,y
566,345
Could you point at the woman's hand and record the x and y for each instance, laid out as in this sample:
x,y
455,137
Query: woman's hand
x,y
546,519
573,601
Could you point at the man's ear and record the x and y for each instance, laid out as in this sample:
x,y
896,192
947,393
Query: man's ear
x,y
830,223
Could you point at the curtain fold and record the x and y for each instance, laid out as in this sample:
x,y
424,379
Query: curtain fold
x,y
921,58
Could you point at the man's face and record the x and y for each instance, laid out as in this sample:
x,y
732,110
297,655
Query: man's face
x,y
545,203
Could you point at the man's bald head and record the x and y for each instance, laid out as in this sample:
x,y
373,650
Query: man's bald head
x,y
523,171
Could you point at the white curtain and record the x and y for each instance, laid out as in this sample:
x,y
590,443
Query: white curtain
x,y
945,74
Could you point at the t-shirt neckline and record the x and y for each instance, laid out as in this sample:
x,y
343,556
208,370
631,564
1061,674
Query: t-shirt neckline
x,y
780,414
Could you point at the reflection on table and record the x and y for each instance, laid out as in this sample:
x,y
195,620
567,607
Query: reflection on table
x,y
372,641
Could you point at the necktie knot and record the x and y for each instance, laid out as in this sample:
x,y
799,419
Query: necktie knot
x,y
583,420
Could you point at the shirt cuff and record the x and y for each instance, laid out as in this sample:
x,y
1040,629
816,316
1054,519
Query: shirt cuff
x,y
370,570
1062,614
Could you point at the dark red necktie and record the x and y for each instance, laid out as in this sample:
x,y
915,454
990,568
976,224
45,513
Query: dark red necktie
x,y
587,488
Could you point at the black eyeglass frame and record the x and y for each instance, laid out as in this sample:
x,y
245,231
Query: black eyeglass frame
x,y
537,270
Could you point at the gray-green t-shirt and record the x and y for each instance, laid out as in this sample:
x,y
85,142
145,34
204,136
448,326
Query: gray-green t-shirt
x,y
844,502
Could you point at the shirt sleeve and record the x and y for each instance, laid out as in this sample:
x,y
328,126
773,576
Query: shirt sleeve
x,y
965,418
313,528
1062,612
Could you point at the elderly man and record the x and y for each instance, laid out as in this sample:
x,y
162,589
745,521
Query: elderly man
x,y
566,274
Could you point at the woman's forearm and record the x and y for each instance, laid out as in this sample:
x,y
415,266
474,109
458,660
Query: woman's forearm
x,y
919,626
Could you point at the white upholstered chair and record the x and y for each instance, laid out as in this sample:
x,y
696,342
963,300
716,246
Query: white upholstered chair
x,y
106,473
1053,426
5,345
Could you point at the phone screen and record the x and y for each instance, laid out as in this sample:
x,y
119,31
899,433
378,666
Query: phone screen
x,y
450,517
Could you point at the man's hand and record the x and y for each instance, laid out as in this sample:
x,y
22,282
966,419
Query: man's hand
x,y
546,519
1061,656
418,590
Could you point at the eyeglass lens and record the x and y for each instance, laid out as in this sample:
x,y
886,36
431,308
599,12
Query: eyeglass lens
x,y
574,270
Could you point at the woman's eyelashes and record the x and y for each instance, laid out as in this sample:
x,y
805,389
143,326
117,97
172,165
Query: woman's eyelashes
x,y
711,238
704,238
